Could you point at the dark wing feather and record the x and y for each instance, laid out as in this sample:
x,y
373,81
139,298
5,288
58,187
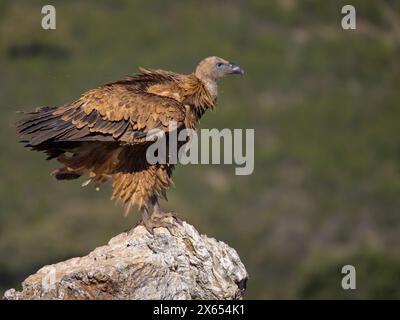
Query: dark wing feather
x,y
120,111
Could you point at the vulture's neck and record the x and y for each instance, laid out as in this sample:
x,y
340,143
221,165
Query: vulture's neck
x,y
201,94
209,83
212,87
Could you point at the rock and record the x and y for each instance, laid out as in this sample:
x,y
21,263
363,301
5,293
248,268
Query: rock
x,y
138,265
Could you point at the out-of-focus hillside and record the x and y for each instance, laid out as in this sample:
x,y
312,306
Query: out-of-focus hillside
x,y
324,103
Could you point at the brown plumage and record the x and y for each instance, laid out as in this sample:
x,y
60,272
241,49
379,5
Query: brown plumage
x,y
103,134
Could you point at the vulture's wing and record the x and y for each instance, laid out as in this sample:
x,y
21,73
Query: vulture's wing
x,y
123,111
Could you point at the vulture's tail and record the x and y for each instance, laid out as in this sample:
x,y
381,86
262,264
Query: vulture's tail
x,y
40,129
44,130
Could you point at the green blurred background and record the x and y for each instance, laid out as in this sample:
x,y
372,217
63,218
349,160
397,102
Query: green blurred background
x,y
324,102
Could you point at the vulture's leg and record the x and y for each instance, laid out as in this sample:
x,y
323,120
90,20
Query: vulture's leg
x,y
157,218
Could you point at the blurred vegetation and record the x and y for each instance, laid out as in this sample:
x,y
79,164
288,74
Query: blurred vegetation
x,y
324,103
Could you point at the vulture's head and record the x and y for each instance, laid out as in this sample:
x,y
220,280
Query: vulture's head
x,y
214,68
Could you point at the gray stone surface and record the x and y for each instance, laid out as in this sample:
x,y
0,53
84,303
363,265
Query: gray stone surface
x,y
138,265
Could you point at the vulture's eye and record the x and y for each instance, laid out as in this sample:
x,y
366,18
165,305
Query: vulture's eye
x,y
219,64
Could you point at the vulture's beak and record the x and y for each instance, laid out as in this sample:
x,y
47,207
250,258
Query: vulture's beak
x,y
235,69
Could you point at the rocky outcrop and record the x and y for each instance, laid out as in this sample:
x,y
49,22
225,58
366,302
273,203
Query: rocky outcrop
x,y
138,265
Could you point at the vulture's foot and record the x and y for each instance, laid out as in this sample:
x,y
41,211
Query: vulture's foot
x,y
160,219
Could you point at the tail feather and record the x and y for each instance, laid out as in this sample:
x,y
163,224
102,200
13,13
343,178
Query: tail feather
x,y
65,174
40,130
95,154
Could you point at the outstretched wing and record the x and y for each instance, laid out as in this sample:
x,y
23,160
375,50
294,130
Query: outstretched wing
x,y
123,111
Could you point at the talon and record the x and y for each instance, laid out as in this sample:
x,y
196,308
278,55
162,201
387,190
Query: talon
x,y
158,220
175,216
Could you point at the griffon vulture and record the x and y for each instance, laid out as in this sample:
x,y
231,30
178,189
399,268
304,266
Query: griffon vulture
x,y
102,134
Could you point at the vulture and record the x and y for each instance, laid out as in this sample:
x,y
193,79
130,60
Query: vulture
x,y
102,135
